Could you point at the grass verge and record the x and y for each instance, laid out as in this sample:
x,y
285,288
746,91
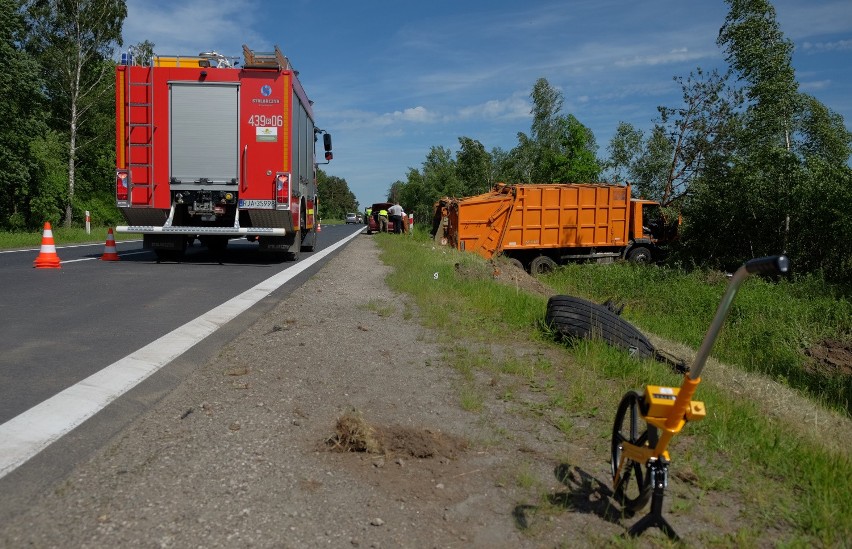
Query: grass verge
x,y
793,490
61,236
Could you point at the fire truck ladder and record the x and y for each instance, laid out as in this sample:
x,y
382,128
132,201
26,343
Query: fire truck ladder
x,y
265,60
140,133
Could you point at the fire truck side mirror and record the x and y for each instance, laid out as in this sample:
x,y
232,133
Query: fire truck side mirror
x,y
326,142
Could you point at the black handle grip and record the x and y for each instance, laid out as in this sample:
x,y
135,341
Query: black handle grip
x,y
774,264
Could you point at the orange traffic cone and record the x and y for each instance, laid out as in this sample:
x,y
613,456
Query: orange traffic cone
x,y
109,250
319,226
47,258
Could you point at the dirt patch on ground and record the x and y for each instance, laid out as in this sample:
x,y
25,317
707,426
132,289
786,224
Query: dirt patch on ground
x,y
354,434
504,272
830,357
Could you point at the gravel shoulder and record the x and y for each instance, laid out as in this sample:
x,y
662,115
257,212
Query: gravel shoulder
x,y
239,453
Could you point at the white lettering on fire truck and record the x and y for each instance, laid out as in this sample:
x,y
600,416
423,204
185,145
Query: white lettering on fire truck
x,y
263,120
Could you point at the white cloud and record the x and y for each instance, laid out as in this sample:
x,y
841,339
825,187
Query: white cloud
x,y
815,85
512,108
677,55
186,28
821,47
416,114
362,120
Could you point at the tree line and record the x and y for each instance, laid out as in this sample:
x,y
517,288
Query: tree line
x,y
753,165
57,143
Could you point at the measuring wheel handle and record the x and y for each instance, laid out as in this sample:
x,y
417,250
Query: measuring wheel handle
x,y
774,264
639,457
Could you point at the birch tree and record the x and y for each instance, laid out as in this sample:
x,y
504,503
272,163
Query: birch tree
x,y
74,41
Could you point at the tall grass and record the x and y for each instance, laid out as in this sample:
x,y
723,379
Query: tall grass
x,y
770,325
798,490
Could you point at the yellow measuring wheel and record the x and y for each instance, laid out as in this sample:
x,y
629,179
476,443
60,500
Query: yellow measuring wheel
x,y
640,456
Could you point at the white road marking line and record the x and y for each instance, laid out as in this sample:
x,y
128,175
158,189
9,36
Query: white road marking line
x,y
25,435
63,247
122,254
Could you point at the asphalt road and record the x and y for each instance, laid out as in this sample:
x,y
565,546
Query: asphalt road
x,y
61,325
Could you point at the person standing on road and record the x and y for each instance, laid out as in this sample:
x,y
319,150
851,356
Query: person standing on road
x,y
383,220
396,212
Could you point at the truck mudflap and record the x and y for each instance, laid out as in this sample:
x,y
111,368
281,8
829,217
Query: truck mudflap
x,y
217,231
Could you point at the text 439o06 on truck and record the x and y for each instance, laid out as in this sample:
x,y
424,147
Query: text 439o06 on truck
x,y
210,151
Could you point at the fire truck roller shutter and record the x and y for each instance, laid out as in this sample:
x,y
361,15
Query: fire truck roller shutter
x,y
204,134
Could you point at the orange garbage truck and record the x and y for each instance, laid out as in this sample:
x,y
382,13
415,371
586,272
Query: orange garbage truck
x,y
540,226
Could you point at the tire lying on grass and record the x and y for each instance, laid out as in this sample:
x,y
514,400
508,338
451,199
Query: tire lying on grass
x,y
574,317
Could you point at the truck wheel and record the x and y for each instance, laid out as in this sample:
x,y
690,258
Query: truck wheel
x,y
574,317
295,248
312,238
639,254
541,265
309,238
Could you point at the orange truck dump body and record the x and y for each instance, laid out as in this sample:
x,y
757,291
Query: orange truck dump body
x,y
556,221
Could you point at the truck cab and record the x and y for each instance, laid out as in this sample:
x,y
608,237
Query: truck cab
x,y
648,232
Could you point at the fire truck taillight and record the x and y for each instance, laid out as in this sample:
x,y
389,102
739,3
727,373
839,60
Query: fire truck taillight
x,y
282,191
122,187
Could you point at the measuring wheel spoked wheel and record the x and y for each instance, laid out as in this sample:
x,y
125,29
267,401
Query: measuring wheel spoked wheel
x,y
632,485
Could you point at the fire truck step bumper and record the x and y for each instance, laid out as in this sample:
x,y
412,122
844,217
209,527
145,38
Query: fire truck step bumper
x,y
221,231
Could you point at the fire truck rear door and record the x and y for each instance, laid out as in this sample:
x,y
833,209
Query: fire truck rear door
x,y
204,138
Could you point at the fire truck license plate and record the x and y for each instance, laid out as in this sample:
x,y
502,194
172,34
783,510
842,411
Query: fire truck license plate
x,y
258,204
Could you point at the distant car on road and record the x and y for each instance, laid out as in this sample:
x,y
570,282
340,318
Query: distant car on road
x,y
351,218
359,219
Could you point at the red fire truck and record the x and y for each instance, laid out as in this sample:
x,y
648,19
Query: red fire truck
x,y
211,151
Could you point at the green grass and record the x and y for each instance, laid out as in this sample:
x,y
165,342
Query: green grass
x,y
769,326
61,236
793,487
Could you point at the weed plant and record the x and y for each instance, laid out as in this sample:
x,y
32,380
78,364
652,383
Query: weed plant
x,y
784,483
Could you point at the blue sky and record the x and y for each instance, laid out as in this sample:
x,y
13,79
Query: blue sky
x,y
391,79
